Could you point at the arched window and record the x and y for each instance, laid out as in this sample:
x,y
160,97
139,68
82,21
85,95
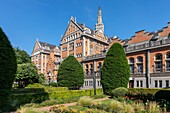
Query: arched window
x,y
131,63
91,69
140,64
158,62
168,61
168,55
87,69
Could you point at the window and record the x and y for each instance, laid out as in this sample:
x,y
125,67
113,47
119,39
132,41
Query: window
x,y
137,83
98,83
91,69
140,64
140,59
156,83
79,55
91,49
90,83
158,62
168,55
131,63
65,49
160,83
71,46
167,83
168,61
87,69
141,83
99,67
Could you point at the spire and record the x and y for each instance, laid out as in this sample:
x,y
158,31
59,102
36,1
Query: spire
x,y
99,25
99,15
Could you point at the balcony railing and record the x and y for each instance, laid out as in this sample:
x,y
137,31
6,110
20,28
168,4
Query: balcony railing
x,y
95,56
147,45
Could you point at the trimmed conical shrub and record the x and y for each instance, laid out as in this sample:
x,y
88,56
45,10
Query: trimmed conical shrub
x,y
70,73
115,71
8,68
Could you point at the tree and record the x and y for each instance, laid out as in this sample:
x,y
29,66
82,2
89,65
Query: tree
x,y
26,73
22,56
115,71
70,73
8,68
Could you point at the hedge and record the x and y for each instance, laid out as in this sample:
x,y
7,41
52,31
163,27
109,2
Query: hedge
x,y
145,90
73,93
20,99
38,90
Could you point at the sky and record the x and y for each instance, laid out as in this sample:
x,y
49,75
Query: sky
x,y
25,20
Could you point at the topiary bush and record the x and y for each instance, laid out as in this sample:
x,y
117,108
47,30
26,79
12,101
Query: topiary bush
x,y
115,70
118,92
8,67
70,73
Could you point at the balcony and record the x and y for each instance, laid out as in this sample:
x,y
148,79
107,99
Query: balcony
x,y
158,72
137,73
96,56
90,75
148,45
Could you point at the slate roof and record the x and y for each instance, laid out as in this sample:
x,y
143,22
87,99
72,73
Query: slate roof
x,y
46,44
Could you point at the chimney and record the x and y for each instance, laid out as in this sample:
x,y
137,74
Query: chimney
x,y
168,24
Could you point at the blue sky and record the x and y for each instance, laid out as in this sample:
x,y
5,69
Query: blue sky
x,y
25,20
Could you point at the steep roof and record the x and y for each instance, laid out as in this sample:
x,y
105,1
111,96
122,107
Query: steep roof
x,y
43,44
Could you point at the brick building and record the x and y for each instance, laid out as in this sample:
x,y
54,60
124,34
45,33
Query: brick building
x,y
148,53
46,57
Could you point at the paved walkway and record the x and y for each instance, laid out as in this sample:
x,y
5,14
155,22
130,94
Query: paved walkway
x,y
47,108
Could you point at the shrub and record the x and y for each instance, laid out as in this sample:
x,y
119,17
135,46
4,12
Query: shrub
x,y
153,108
138,107
69,95
27,90
8,69
29,110
163,94
127,108
70,73
35,85
53,84
60,109
121,91
85,101
115,106
115,71
20,99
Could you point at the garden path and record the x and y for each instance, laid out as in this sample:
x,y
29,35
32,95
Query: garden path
x,y
47,108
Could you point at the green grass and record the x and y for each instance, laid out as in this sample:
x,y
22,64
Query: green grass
x,y
79,108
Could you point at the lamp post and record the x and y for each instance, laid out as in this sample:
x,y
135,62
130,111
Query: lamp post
x,y
94,82
49,77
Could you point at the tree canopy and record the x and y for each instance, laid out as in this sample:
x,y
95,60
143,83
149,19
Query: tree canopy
x,y
8,69
26,73
70,73
22,56
115,71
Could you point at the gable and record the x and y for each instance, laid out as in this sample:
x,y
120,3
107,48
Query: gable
x,y
140,36
72,27
36,47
